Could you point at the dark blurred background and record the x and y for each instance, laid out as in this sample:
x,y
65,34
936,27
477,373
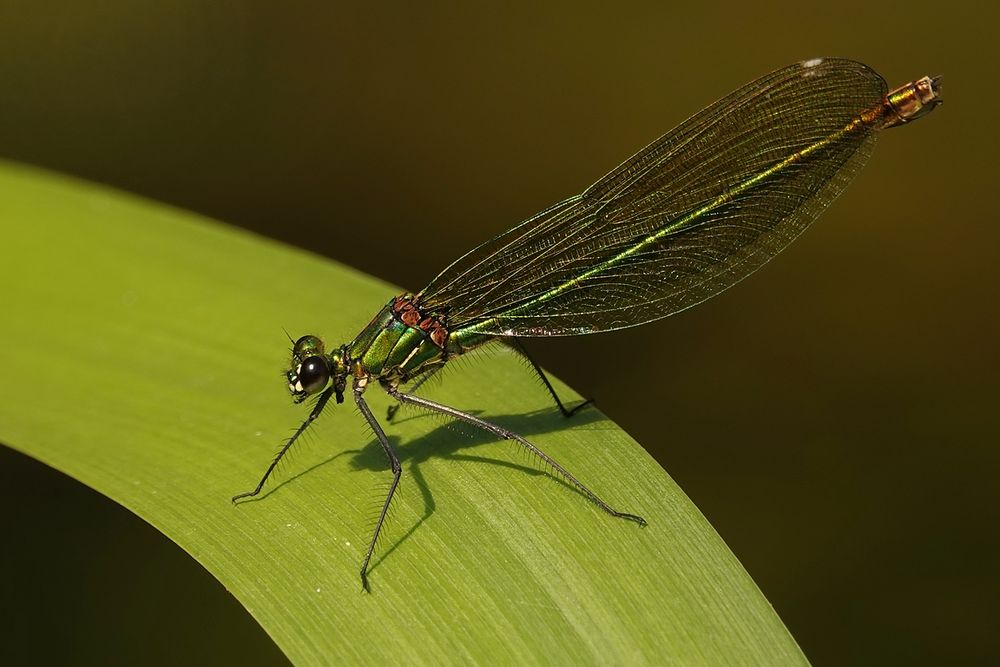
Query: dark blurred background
x,y
835,416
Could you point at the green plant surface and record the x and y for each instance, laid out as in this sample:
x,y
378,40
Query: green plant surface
x,y
140,353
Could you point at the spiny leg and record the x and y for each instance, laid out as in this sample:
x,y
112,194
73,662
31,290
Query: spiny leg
x,y
518,346
506,434
396,472
393,409
317,409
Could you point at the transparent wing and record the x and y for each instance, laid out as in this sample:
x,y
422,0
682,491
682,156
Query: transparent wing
x,y
693,213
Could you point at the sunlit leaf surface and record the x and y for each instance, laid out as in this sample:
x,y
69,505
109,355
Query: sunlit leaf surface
x,y
140,352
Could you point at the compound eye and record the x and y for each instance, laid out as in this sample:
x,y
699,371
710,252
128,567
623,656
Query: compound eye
x,y
313,374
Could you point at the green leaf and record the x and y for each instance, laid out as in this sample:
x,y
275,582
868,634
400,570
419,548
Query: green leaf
x,y
140,353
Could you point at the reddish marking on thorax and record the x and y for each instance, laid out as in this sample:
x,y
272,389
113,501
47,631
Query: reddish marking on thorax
x,y
407,311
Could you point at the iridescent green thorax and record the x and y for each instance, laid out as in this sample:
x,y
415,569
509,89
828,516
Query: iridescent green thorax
x,y
404,340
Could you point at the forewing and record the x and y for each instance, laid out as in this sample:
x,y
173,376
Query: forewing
x,y
691,214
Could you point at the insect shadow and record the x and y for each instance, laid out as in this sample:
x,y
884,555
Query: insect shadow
x,y
451,439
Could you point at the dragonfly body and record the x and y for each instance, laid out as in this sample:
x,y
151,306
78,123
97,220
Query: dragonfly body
x,y
690,215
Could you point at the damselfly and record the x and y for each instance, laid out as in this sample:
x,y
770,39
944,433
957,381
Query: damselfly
x,y
693,213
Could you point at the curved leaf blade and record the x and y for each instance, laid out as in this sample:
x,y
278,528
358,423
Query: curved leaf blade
x,y
140,355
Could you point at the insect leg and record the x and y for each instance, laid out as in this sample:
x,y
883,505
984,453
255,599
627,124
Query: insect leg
x,y
393,409
518,346
317,409
506,434
396,472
